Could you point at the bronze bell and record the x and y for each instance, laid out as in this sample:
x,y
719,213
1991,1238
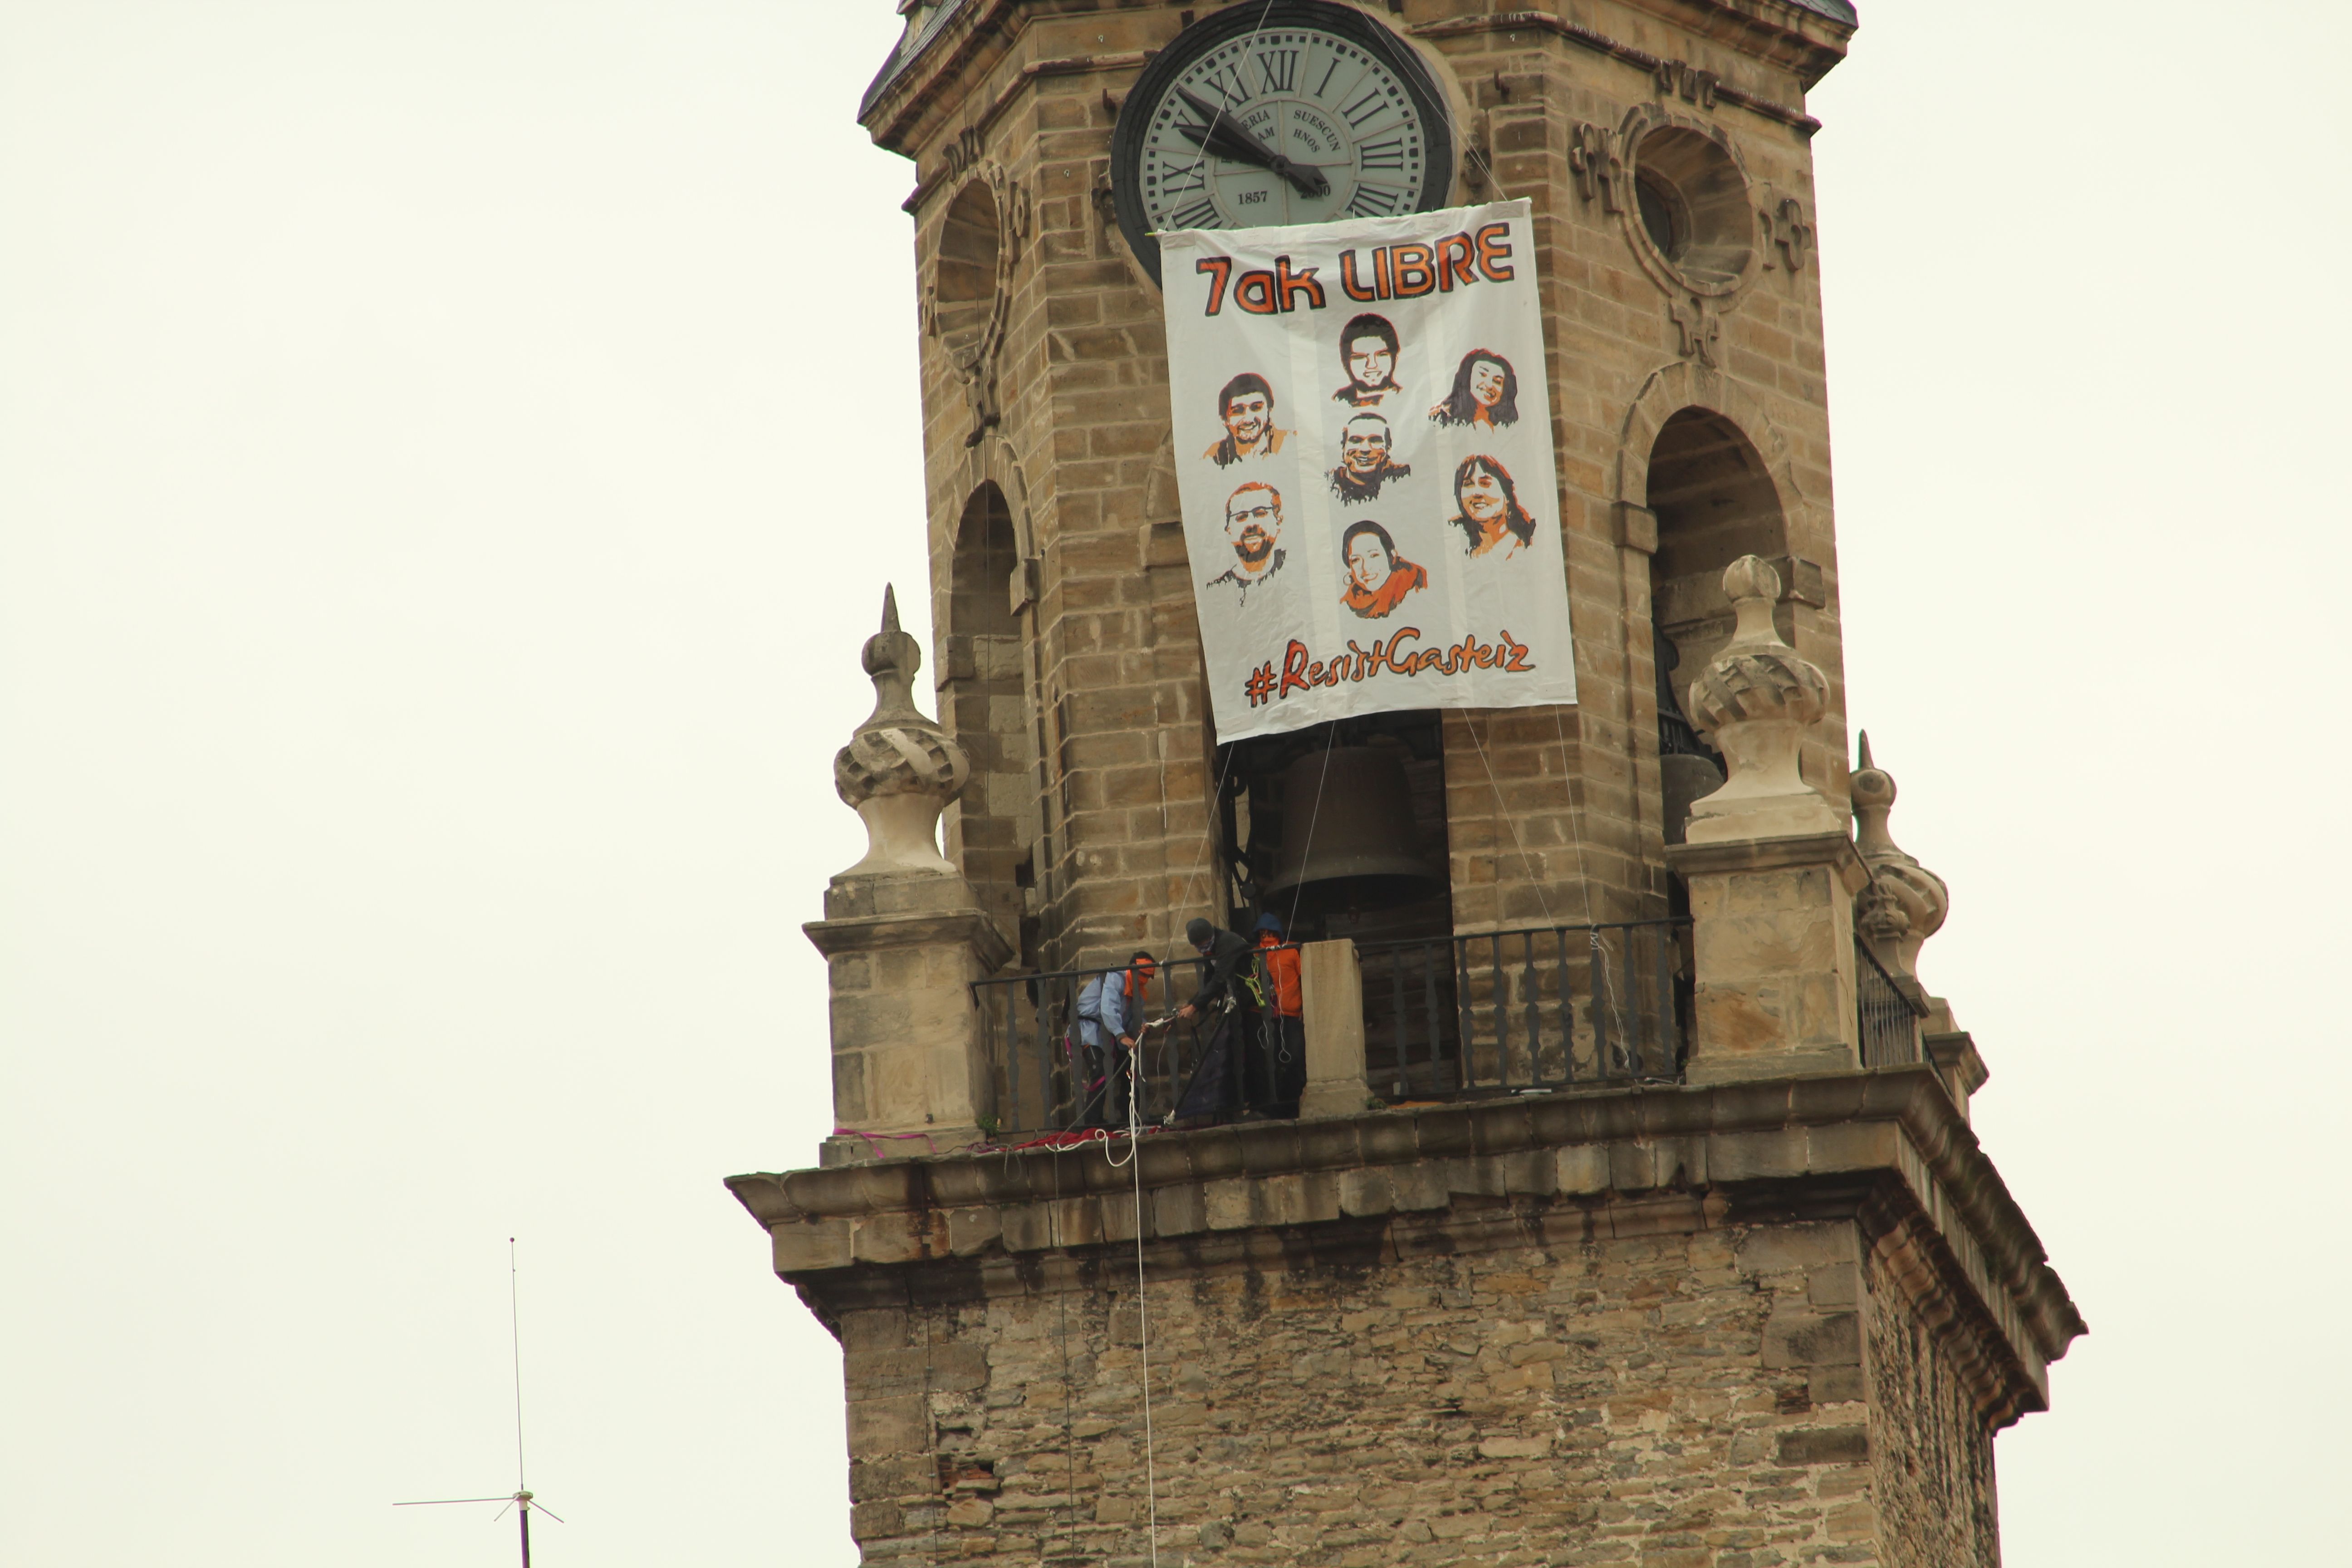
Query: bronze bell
x,y
1357,849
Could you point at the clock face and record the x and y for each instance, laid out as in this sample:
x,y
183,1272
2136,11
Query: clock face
x,y
1286,113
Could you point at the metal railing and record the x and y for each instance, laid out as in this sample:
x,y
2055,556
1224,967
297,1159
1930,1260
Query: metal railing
x,y
1488,1011
1888,1016
1044,1077
1536,1007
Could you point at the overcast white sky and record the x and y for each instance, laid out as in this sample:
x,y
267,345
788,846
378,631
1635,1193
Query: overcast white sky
x,y
448,456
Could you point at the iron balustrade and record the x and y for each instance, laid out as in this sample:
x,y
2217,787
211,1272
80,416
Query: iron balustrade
x,y
1534,1007
1488,1011
1043,1078
1888,1016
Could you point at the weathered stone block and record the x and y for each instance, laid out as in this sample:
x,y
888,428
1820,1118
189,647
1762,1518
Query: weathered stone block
x,y
816,1244
1795,1337
1825,1445
881,1428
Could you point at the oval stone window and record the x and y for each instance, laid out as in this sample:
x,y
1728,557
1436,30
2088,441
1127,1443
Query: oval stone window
x,y
1694,204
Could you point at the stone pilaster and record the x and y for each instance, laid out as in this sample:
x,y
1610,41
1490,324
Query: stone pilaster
x,y
1771,870
904,936
1772,926
1331,994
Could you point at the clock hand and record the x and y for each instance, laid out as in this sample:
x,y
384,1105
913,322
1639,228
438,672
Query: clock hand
x,y
1307,180
1244,150
1223,145
1222,135
1227,137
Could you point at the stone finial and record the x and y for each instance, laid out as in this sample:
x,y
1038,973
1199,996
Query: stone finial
x,y
1754,704
900,769
1905,903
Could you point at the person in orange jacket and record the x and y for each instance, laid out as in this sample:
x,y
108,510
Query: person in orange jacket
x,y
1284,1022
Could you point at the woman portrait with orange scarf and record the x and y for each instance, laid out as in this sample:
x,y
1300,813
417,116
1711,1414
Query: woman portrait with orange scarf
x,y
1378,577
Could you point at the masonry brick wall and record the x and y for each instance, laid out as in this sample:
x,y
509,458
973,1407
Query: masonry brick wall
x,y
1634,1384
1936,1500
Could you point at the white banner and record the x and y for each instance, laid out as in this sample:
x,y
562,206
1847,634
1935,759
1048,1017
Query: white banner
x,y
1363,451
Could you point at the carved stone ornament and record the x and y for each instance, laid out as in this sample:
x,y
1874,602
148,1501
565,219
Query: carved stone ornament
x,y
1694,85
1905,903
1699,332
900,769
1780,223
1595,157
1754,704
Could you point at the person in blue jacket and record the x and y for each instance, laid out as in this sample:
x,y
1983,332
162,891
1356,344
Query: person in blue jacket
x,y
1110,1022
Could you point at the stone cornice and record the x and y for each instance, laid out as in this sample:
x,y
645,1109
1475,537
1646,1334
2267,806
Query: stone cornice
x,y
865,932
1885,1146
980,34
1802,37
1833,850
1800,62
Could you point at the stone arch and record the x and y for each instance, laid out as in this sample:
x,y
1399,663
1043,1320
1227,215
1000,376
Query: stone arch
x,y
1729,484
963,282
992,461
983,703
1673,388
1701,458
1714,501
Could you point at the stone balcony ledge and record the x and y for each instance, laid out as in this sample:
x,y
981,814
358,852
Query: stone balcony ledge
x,y
1887,1146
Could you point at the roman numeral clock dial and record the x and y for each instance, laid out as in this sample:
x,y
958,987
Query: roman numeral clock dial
x,y
1297,111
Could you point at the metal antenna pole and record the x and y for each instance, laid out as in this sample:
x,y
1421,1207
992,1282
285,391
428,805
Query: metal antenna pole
x,y
521,1499
514,1322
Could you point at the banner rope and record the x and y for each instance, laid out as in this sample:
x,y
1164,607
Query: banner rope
x,y
1329,740
1534,879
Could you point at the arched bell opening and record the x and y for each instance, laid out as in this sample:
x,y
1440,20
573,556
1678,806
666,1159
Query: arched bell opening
x,y
983,704
963,284
1338,829
1715,503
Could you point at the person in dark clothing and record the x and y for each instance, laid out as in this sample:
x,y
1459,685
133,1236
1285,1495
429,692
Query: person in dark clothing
x,y
1228,1000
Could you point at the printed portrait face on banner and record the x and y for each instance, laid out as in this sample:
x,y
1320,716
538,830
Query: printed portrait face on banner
x,y
1487,510
1378,577
1367,352
1366,446
1393,544
1486,392
1246,408
1253,530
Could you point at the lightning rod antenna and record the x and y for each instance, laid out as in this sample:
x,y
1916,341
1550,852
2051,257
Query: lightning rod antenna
x,y
522,1502
514,1323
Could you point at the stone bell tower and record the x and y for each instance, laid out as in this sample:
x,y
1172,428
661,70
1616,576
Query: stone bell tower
x,y
1667,160
1721,1276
